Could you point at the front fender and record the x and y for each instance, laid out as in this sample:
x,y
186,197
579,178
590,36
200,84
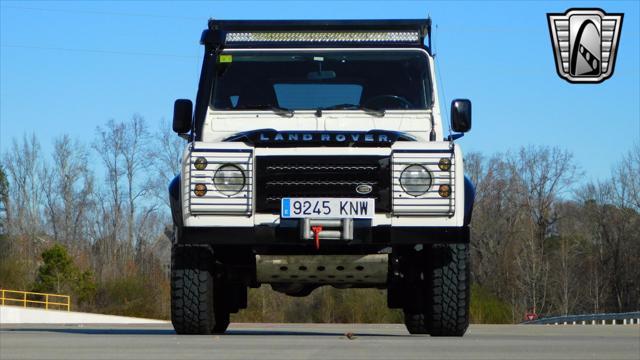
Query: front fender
x,y
174,200
469,198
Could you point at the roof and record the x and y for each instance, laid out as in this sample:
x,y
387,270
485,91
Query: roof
x,y
314,33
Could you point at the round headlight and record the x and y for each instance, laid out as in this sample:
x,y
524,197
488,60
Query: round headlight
x,y
415,180
229,179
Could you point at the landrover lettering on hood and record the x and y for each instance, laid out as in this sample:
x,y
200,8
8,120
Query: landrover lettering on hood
x,y
274,138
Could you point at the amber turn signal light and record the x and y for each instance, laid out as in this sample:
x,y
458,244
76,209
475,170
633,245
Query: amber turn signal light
x,y
200,163
444,191
200,189
444,164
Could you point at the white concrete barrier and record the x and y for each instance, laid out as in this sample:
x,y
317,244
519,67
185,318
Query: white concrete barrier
x,y
21,315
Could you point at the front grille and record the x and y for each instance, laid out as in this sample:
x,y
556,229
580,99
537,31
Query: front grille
x,y
321,176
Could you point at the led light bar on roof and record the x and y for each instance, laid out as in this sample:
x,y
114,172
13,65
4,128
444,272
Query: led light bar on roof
x,y
319,36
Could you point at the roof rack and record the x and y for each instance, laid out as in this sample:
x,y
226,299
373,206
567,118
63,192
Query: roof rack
x,y
313,33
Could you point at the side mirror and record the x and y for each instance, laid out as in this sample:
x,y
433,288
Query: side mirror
x,y
461,115
182,113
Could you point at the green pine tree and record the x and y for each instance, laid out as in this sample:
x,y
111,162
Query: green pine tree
x,y
58,274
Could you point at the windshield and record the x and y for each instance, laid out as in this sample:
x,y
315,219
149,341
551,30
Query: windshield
x,y
312,80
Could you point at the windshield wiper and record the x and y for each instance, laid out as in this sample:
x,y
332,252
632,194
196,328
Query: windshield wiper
x,y
374,112
276,109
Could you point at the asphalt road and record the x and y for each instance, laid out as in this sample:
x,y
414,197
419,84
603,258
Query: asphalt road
x,y
319,341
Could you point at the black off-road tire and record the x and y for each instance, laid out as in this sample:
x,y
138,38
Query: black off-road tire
x,y
443,292
195,292
448,314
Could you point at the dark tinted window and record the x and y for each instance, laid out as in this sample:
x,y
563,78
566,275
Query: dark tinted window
x,y
306,96
312,80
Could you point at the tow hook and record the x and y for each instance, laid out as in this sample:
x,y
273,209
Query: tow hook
x,y
316,234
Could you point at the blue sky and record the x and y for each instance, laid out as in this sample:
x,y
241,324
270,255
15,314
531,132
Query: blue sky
x,y
67,67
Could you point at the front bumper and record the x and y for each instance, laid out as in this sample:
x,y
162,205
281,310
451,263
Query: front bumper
x,y
265,235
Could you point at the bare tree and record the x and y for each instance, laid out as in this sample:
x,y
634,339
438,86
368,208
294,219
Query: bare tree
x,y
134,155
545,174
626,172
594,198
123,149
569,248
150,235
108,145
67,191
5,214
624,230
21,163
167,155
496,194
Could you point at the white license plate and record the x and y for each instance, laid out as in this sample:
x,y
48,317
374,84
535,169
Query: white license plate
x,y
335,208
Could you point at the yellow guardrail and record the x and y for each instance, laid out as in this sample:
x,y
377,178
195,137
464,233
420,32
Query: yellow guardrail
x,y
28,298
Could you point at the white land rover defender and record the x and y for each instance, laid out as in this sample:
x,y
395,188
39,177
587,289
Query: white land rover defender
x,y
317,156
